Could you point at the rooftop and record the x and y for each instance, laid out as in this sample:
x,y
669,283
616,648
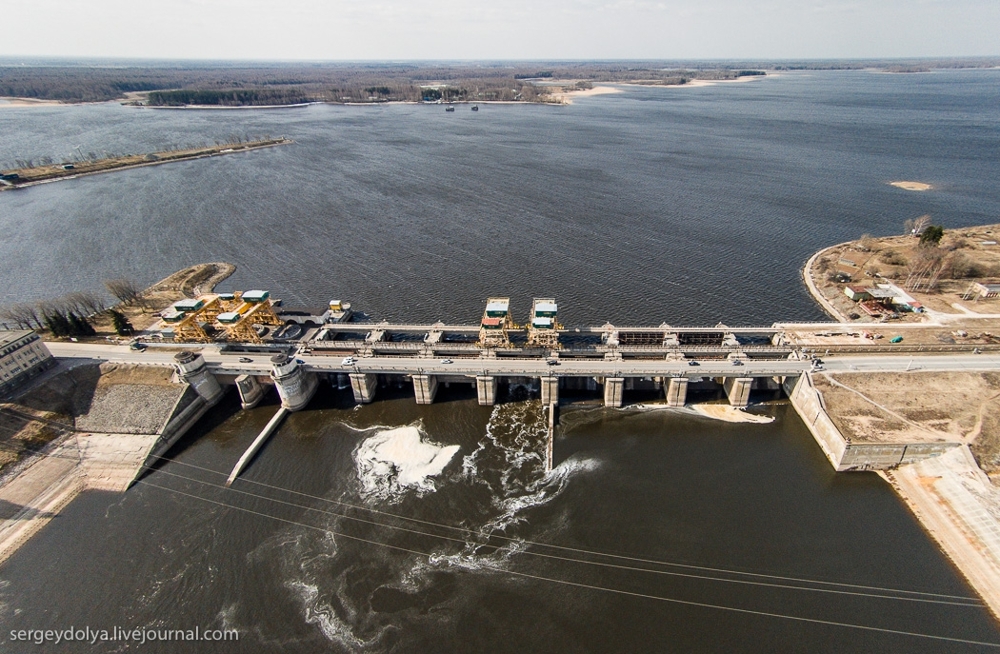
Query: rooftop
x,y
9,336
546,307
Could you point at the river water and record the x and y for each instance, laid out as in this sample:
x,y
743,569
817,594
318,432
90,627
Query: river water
x,y
686,205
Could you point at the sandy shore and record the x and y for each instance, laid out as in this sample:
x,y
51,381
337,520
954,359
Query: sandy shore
x,y
696,83
227,107
912,186
567,97
959,507
27,102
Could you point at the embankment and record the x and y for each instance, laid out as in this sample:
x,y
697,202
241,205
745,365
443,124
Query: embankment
x,y
24,177
807,277
109,422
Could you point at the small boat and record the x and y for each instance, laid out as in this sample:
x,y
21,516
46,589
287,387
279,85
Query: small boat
x,y
449,108
475,107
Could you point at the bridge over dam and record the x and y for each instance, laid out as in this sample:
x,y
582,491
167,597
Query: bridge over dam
x,y
246,339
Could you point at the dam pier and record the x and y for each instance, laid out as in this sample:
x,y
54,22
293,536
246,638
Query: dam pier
x,y
249,340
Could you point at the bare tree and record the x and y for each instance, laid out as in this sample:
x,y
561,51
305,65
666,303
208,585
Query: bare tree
x,y
91,302
125,290
10,316
925,270
23,315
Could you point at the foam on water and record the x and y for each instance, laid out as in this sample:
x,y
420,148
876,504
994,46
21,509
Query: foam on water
x,y
324,616
392,461
400,465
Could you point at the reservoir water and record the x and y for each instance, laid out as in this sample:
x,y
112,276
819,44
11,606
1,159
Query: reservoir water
x,y
684,205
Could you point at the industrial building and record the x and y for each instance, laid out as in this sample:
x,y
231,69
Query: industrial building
x,y
22,356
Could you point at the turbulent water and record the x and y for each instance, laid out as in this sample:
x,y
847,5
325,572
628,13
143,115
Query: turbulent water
x,y
398,528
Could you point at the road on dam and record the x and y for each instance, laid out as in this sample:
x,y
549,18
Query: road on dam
x,y
229,362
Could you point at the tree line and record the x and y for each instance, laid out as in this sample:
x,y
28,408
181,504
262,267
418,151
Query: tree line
x,y
73,314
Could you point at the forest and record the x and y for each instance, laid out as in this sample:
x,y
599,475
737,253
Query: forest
x,y
163,83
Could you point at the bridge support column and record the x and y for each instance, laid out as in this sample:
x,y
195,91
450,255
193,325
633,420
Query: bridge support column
x,y
738,390
614,391
486,388
550,390
363,385
677,391
191,368
425,388
250,390
295,386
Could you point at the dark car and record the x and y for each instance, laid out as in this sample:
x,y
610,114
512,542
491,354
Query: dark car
x,y
693,363
246,360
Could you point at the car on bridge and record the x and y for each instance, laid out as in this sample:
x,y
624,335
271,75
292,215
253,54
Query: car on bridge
x,y
447,361
693,363
348,361
246,360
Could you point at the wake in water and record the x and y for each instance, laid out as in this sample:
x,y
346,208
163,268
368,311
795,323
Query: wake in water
x,y
366,598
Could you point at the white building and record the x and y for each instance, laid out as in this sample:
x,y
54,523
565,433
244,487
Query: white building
x,y
22,356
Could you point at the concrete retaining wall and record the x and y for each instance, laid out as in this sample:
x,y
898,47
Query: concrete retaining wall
x,y
842,454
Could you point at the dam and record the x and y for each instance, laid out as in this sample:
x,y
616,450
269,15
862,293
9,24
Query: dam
x,y
248,340
541,355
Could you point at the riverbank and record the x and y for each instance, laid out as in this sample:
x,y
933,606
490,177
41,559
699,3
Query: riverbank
x,y
15,178
928,284
957,506
185,283
808,276
100,424
567,96
935,436
27,102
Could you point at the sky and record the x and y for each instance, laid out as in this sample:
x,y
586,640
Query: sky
x,y
499,29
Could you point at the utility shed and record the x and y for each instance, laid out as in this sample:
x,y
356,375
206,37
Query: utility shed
x,y
857,293
497,309
255,297
546,309
188,305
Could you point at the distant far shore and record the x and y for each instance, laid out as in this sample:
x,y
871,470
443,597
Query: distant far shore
x,y
27,102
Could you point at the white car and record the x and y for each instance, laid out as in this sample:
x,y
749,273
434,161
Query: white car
x,y
349,361
447,361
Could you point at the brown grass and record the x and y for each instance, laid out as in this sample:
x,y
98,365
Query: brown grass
x,y
889,256
919,407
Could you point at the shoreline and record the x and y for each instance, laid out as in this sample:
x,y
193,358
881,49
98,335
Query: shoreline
x,y
567,97
807,277
952,499
28,102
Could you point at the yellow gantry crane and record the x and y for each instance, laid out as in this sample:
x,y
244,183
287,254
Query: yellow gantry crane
x,y
543,327
254,308
496,323
235,313
188,318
